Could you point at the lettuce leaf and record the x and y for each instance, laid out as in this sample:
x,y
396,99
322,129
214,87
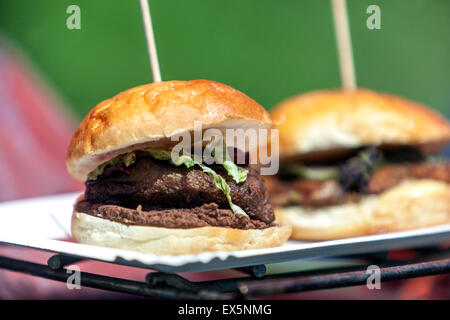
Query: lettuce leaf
x,y
223,186
159,154
238,174
126,159
165,155
316,173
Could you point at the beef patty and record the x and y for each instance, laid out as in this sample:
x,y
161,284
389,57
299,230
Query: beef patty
x,y
330,192
173,196
202,216
390,175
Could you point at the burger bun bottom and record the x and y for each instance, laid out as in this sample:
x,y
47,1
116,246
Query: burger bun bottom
x,y
409,205
97,231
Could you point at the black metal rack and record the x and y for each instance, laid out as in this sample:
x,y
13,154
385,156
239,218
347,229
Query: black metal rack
x,y
254,285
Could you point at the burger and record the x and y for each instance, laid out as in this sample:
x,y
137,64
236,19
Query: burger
x,y
139,197
354,163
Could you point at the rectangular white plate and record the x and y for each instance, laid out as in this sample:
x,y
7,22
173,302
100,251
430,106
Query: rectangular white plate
x,y
39,222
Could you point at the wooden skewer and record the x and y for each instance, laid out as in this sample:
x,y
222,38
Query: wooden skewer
x,y
151,46
344,44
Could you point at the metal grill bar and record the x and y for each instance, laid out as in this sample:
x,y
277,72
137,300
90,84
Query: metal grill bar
x,y
107,283
172,286
345,279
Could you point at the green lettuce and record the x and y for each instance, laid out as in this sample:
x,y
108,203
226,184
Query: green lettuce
x,y
126,159
238,174
223,186
316,173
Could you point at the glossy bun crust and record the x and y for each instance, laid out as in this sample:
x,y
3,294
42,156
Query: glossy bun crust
x,y
148,115
335,119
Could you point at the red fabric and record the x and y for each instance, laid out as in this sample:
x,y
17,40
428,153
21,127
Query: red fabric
x,y
34,135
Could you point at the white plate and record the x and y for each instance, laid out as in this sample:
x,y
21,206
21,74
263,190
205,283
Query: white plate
x,y
40,222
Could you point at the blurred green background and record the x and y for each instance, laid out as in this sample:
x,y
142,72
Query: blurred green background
x,y
268,49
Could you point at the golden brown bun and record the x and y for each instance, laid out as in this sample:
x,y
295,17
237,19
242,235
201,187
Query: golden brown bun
x,y
96,231
411,204
148,115
337,119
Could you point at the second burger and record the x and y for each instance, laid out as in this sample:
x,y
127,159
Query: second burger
x,y
359,162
